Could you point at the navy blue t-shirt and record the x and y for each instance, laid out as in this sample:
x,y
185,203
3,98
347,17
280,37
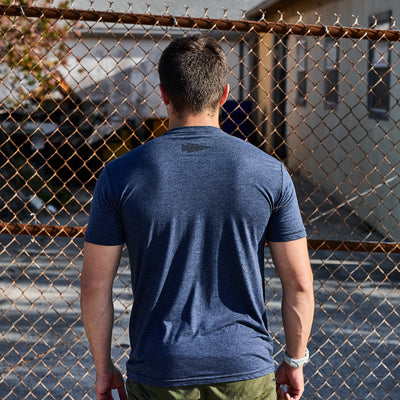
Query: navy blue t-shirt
x,y
195,207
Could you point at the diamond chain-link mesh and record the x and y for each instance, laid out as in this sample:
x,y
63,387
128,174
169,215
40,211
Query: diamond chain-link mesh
x,y
80,87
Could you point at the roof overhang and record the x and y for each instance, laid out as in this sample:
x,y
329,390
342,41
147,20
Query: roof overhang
x,y
256,11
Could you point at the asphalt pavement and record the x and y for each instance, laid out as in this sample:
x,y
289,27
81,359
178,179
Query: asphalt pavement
x,y
355,352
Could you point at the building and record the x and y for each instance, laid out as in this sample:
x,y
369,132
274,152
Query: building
x,y
110,100
113,66
332,104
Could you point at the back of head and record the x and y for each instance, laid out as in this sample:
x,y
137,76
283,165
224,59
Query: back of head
x,y
193,71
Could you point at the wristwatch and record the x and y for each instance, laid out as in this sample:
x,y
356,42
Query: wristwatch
x,y
296,363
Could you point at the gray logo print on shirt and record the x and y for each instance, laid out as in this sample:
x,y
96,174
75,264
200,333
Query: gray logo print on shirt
x,y
192,148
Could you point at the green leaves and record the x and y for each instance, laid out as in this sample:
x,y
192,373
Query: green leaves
x,y
32,48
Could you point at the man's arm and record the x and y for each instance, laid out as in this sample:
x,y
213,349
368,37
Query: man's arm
x,y
293,267
100,264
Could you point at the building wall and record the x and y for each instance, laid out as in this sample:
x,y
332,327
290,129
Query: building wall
x,y
342,149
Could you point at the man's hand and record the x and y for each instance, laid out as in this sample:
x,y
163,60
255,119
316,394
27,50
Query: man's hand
x,y
293,379
107,381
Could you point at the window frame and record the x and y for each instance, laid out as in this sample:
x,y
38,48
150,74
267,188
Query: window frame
x,y
331,72
379,70
301,72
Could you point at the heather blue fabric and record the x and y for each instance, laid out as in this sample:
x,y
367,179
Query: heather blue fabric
x,y
195,207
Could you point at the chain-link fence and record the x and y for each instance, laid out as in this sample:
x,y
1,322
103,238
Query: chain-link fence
x,y
79,88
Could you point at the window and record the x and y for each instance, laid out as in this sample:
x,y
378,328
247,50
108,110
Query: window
x,y
331,72
379,71
301,78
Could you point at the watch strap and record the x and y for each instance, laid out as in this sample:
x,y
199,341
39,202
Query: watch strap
x,y
297,363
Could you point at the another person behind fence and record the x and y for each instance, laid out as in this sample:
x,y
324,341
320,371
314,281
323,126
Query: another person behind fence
x,y
195,207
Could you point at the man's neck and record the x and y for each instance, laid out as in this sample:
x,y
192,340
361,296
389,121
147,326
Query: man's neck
x,y
206,118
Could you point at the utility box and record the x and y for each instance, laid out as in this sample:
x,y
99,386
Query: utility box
x,y
236,118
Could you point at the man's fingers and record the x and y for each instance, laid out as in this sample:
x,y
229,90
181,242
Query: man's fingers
x,y
282,395
122,393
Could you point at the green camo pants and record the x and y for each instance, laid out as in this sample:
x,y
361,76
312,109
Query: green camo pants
x,y
254,389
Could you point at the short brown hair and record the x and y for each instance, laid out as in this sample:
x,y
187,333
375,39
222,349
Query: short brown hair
x,y
193,71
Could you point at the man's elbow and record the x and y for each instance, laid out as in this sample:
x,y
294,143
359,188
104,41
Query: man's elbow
x,y
302,282
305,284
93,295
87,287
92,286
299,289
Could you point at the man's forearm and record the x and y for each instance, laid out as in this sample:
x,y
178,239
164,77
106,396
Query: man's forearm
x,y
297,316
294,270
100,264
98,315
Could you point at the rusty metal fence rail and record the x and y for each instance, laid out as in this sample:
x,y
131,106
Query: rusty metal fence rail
x,y
79,88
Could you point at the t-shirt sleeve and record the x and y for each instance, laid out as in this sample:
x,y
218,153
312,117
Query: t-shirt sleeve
x,y
105,226
285,223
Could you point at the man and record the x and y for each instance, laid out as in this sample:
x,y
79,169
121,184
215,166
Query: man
x,y
194,208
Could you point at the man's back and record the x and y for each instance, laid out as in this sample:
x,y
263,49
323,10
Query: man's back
x,y
195,207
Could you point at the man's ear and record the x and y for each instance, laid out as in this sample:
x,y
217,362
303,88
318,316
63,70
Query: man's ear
x,y
225,95
164,95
